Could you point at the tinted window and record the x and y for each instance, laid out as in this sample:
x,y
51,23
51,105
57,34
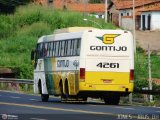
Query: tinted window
x,y
59,48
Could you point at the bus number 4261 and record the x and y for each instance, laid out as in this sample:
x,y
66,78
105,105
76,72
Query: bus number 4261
x,y
108,65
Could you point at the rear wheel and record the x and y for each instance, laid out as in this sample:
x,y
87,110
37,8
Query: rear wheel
x,y
112,100
66,89
44,97
61,90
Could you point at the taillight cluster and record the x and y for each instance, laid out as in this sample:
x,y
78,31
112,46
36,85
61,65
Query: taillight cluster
x,y
131,75
82,73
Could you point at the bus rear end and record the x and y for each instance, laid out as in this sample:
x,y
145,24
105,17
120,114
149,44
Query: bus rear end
x,y
107,64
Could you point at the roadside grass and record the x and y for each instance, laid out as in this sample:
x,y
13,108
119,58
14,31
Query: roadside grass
x,y
141,69
141,79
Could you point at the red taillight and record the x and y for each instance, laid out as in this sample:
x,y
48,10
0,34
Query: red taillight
x,y
131,75
82,73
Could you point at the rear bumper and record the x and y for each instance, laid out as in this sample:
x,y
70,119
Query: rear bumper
x,y
106,87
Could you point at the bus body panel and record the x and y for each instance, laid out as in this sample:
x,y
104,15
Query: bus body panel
x,y
97,43
39,76
107,63
57,69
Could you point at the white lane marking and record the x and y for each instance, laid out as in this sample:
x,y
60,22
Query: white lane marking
x,y
33,99
37,119
14,97
126,108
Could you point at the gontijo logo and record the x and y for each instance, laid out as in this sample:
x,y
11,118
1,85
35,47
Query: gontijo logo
x,y
108,38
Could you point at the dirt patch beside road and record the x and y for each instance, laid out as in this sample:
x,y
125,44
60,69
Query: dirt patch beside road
x,y
143,38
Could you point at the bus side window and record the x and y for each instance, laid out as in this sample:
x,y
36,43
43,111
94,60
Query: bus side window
x,y
50,51
65,48
78,46
45,50
75,47
40,50
72,47
69,48
57,49
62,48
54,48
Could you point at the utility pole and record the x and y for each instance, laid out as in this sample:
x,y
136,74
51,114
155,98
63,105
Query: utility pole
x,y
85,3
150,74
50,2
106,11
134,27
130,98
63,5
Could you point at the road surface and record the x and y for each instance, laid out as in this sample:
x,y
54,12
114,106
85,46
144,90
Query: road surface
x,y
30,107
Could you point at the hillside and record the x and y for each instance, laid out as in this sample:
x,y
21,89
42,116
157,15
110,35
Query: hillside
x,y
19,33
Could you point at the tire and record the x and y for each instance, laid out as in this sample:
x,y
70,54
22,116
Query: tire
x,y
112,100
44,97
61,90
66,89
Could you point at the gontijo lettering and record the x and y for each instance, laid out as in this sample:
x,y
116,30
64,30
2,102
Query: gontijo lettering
x,y
62,63
108,48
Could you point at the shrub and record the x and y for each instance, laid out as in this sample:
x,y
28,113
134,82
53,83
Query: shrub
x,y
5,26
37,29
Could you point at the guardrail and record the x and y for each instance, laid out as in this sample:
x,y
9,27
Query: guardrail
x,y
148,92
14,84
14,80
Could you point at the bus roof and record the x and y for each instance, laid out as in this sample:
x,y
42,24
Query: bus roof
x,y
61,36
74,32
72,29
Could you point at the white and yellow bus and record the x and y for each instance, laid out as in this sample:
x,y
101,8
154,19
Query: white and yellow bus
x,y
86,63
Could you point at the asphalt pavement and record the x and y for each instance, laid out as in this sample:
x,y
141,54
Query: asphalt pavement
x,y
29,107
